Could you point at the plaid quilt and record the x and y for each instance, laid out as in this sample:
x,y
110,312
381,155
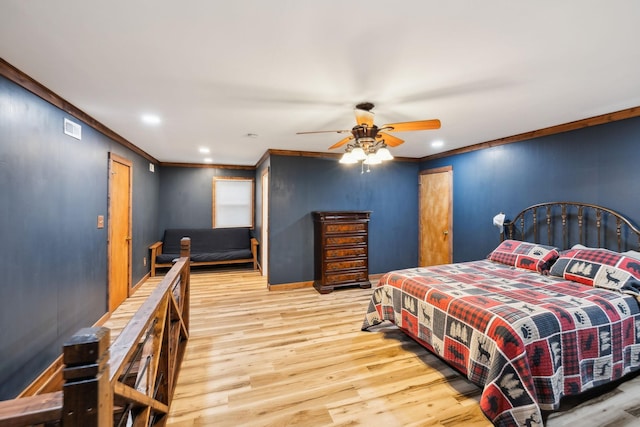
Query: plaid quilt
x,y
527,339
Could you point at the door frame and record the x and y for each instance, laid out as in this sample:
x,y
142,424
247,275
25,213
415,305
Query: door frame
x,y
126,162
264,244
443,169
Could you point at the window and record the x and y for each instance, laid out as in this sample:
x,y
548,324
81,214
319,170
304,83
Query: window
x,y
233,202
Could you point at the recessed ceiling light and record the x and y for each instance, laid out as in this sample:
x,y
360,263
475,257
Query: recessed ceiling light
x,y
208,160
150,119
204,150
437,144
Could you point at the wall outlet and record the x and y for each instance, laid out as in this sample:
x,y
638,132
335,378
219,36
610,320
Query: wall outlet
x,y
100,223
144,261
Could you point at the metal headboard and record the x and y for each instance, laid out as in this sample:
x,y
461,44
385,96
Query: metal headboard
x,y
568,223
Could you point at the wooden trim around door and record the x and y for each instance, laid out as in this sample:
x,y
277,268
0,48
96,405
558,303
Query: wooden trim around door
x,y
437,170
443,169
264,232
124,161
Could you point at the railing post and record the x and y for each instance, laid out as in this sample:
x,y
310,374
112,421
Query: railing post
x,y
88,398
185,247
185,251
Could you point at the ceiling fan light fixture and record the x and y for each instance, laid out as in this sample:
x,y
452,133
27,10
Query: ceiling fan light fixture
x,y
367,143
372,159
366,140
358,153
347,158
383,153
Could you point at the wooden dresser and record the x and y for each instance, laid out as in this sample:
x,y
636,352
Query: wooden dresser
x,y
341,249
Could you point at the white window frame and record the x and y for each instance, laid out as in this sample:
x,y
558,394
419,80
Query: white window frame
x,y
232,196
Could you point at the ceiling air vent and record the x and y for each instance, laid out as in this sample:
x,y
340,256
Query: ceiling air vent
x,y
72,129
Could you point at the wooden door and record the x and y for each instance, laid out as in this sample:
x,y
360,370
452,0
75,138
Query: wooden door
x,y
436,213
119,230
264,240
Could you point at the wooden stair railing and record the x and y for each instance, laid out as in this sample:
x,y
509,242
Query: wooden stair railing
x,y
130,382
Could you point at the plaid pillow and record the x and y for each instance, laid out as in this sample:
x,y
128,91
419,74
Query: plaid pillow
x,y
529,256
600,268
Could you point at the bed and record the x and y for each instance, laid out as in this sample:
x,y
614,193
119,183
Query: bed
x,y
534,321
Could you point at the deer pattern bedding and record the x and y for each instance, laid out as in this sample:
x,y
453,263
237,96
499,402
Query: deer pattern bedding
x,y
526,338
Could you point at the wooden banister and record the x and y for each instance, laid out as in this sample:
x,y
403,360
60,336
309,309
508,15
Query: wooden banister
x,y
133,379
185,252
254,252
31,410
87,392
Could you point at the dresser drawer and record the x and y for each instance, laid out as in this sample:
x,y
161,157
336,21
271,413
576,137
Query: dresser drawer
x,y
354,252
349,264
346,277
346,240
341,249
354,227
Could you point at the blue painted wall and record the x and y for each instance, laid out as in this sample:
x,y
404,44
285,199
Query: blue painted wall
x,y
186,196
53,258
597,165
300,185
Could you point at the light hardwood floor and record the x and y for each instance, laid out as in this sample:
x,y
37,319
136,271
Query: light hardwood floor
x,y
261,358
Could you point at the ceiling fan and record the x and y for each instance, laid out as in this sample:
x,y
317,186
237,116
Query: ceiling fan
x,y
372,138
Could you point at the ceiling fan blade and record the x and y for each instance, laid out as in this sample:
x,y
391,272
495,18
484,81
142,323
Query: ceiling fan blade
x,y
364,117
390,140
324,131
341,142
417,125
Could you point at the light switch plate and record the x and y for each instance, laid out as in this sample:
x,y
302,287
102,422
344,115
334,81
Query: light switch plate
x,y
100,221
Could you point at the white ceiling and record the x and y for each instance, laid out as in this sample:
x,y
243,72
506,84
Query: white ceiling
x,y
215,70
